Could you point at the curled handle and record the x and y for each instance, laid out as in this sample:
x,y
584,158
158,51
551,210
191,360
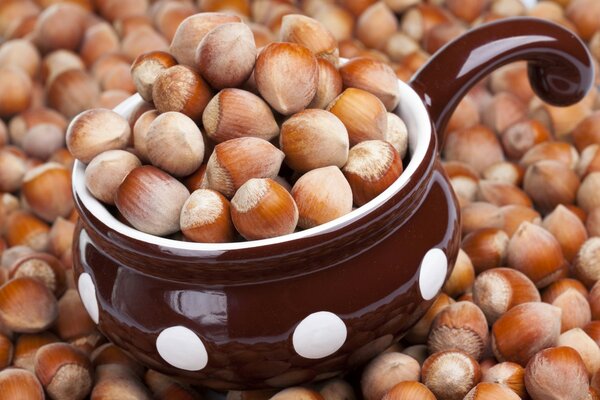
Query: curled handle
x,y
559,65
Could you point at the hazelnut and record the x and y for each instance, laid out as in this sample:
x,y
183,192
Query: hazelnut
x,y
106,171
118,77
587,132
480,215
12,170
286,76
363,114
460,326
572,298
504,171
47,190
503,110
488,390
556,151
464,180
589,161
27,305
20,124
515,214
467,11
375,77
98,40
6,351
322,195
235,161
397,134
226,55
174,143
544,367
151,200
524,330
535,252
15,91
313,139
114,10
95,131
409,390
502,194
336,20
73,321
60,26
486,247
385,371
180,88
142,39
508,374
376,25
310,33
520,137
418,20
587,195
117,381
108,353
165,387
498,290
23,228
167,16
329,84
140,133
336,389
373,165
462,277
43,267
234,113
64,371
192,30
16,383
585,15
587,348
262,208
586,265
22,54
568,230
477,146
205,217
57,62
72,92
550,183
43,140
297,393
450,374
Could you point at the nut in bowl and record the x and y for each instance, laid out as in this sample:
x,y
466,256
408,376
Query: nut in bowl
x,y
311,304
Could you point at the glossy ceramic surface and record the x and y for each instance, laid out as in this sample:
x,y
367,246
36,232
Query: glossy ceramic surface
x,y
314,304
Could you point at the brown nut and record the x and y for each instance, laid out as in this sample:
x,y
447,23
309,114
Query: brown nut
x,y
386,371
477,146
373,165
72,92
329,84
557,151
587,195
226,55
15,91
95,131
568,230
580,341
174,143
151,200
322,195
43,267
313,139
146,68
192,30
106,171
20,384
586,265
64,371
23,228
310,33
262,208
286,76
27,305
509,374
535,252
376,25
205,217
450,374
550,183
180,88
460,326
47,190
462,277
498,290
524,330
235,161
363,114
542,371
373,76
234,113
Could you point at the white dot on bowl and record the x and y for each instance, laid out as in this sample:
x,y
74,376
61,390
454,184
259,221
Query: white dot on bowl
x,y
319,335
433,273
87,291
182,348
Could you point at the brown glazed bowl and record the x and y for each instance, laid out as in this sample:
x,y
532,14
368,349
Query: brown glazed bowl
x,y
316,303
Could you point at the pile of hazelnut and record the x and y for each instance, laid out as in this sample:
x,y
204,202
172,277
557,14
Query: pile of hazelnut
x,y
222,118
519,317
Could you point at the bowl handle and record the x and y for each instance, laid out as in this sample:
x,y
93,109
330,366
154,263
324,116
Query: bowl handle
x,y
560,67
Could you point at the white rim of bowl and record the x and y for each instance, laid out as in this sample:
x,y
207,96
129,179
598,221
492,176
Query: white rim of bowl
x,y
411,110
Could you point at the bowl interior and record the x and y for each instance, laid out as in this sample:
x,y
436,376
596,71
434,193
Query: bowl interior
x,y
410,109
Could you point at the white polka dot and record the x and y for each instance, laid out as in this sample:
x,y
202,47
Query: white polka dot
x,y
182,348
319,335
87,291
433,273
